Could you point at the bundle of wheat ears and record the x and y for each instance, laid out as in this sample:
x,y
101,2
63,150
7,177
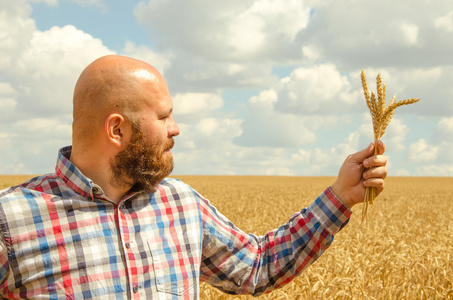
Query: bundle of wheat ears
x,y
381,116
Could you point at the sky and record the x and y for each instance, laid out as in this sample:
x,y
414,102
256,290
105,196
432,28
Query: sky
x,y
260,87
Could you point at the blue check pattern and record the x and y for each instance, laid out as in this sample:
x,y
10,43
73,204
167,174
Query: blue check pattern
x,y
62,238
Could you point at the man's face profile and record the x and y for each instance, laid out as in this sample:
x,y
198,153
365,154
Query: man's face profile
x,y
142,163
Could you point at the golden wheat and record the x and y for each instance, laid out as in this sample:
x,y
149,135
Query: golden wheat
x,y
411,257
381,117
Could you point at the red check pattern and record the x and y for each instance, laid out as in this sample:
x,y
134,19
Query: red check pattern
x,y
62,238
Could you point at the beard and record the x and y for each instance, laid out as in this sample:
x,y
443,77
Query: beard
x,y
142,164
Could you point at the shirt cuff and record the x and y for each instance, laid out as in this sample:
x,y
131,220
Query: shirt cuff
x,y
330,211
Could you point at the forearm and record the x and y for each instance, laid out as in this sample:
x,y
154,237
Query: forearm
x,y
259,264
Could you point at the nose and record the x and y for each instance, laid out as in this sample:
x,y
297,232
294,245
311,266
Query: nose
x,y
173,128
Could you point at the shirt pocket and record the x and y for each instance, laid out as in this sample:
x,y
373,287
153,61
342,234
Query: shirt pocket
x,y
176,265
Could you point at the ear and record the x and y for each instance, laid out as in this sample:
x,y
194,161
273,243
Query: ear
x,y
117,129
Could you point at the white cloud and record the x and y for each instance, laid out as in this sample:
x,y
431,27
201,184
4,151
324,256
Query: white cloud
x,y
39,70
61,50
223,45
311,52
196,104
318,89
160,61
250,31
48,2
7,102
273,12
265,127
302,105
6,106
365,130
32,129
211,131
233,30
207,133
410,33
297,63
357,34
446,124
318,161
207,145
6,89
246,36
421,151
16,30
265,100
191,73
208,126
45,72
443,138
395,135
444,132
435,170
445,22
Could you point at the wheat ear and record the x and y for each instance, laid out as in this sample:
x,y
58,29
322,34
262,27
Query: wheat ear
x,y
381,117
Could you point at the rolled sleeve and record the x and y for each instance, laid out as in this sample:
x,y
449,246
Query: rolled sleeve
x,y
240,263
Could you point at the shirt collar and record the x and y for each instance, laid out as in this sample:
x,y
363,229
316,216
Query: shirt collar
x,y
72,176
75,179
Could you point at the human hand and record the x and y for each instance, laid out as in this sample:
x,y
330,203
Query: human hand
x,y
359,171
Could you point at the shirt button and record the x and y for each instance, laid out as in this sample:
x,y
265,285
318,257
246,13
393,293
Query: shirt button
x,y
128,245
135,289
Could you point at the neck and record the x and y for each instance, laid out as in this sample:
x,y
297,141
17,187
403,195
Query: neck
x,y
97,168
112,192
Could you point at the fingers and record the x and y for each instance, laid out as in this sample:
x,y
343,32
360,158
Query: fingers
x,y
375,161
378,172
375,177
374,182
380,147
361,155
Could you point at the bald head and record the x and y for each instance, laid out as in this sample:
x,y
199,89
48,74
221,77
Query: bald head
x,y
111,84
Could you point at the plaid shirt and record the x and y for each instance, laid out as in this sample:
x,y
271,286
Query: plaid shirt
x,y
62,238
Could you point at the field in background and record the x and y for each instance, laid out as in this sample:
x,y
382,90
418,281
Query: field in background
x,y
9,180
404,252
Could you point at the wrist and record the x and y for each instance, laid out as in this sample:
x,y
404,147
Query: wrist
x,y
341,195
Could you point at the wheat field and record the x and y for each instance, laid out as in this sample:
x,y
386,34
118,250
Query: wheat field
x,y
404,251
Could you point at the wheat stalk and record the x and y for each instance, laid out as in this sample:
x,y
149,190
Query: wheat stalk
x,y
381,117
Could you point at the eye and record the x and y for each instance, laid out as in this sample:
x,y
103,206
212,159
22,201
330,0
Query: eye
x,y
164,118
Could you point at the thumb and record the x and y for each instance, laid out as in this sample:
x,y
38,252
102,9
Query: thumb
x,y
364,154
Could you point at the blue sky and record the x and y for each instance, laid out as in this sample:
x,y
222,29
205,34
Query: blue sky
x,y
261,87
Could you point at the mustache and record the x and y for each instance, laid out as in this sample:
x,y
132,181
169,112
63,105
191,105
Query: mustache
x,y
168,145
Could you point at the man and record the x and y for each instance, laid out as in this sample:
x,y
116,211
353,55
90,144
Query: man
x,y
107,224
